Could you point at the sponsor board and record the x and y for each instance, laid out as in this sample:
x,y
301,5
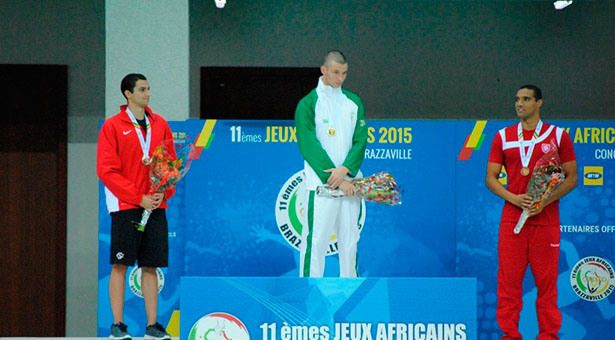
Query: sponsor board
x,y
593,175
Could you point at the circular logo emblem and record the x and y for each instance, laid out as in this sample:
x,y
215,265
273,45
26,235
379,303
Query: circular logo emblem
x,y
291,212
219,326
546,147
134,281
592,278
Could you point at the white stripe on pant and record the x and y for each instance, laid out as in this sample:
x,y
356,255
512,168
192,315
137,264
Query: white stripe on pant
x,y
327,216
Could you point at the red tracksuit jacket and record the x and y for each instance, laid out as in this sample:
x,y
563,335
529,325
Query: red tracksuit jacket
x,y
119,159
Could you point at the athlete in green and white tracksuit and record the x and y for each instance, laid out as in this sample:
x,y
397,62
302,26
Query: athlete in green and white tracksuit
x,y
332,135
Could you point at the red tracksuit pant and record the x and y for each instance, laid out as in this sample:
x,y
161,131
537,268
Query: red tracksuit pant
x,y
538,246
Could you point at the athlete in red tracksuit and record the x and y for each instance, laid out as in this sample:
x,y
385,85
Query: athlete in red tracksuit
x,y
517,148
119,162
125,146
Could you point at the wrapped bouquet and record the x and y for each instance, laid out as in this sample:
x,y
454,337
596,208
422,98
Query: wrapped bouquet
x,y
165,171
546,176
380,188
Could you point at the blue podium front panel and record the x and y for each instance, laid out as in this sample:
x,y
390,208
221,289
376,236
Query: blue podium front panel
x,y
327,308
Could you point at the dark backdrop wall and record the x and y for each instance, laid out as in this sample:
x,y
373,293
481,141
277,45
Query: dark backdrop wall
x,y
61,32
425,59
72,33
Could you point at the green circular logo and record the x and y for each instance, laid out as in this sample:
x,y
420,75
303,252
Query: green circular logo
x,y
291,212
134,281
592,278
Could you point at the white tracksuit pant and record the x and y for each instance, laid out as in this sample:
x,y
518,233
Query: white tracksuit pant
x,y
327,216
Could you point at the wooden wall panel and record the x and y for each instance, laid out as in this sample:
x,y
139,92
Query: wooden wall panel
x,y
33,200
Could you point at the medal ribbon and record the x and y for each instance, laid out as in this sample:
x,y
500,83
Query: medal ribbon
x,y
331,100
526,156
145,142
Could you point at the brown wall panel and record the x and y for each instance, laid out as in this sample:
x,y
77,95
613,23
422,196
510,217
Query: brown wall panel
x,y
33,200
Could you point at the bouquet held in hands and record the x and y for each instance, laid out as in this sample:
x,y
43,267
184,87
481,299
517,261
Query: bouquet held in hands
x,y
546,176
380,188
165,172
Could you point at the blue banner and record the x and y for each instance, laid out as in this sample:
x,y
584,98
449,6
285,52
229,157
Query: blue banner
x,y
587,217
238,213
238,218
328,308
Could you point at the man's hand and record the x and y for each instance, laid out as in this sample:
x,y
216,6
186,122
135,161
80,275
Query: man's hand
x,y
536,210
151,202
338,175
523,201
347,188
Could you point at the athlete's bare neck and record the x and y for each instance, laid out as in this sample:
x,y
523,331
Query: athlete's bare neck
x,y
529,123
137,110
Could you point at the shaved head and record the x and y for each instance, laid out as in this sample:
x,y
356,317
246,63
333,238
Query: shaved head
x,y
334,56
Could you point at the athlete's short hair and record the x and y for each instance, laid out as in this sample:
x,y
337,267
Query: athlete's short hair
x,y
130,81
536,89
335,56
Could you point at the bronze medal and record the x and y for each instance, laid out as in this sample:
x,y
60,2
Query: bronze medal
x,y
526,156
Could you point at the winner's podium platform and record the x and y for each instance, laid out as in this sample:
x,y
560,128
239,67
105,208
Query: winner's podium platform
x,y
271,308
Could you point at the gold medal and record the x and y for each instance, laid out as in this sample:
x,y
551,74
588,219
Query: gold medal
x,y
146,160
331,132
525,171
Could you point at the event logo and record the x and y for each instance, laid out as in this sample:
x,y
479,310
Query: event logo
x,y
593,175
204,138
592,278
134,281
473,141
291,212
503,176
219,326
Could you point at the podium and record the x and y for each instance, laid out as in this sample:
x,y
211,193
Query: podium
x,y
271,308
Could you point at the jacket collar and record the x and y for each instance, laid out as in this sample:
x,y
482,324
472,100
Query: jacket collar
x,y
148,112
326,89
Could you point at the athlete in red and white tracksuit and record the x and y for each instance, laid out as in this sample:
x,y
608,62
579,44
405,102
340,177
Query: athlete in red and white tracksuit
x,y
119,164
125,145
538,242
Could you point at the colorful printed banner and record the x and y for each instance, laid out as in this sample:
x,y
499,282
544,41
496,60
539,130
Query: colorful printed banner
x,y
237,213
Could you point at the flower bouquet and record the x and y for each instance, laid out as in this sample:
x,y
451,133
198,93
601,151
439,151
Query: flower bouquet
x,y
379,188
165,171
546,176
